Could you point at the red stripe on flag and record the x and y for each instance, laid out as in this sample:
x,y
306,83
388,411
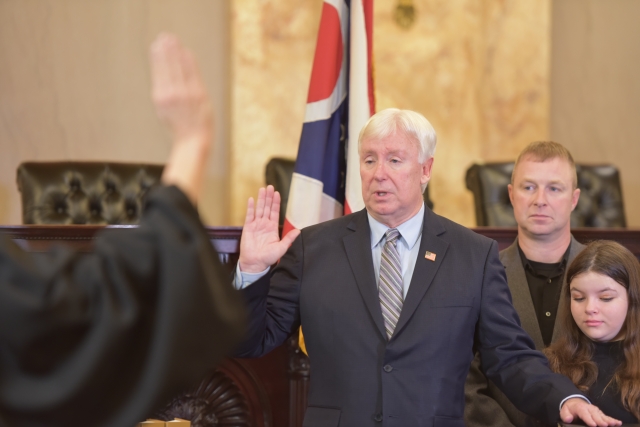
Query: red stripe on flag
x,y
328,57
286,227
347,208
367,6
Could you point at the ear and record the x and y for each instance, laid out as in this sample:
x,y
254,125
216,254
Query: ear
x,y
426,171
574,198
510,188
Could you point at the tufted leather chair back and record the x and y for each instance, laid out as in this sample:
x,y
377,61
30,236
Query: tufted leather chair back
x,y
278,173
600,203
84,192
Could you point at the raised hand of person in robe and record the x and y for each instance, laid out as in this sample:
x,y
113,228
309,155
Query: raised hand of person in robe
x,y
261,246
181,101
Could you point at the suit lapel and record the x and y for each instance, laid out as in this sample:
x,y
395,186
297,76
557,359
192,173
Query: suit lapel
x,y
576,248
520,293
425,270
358,248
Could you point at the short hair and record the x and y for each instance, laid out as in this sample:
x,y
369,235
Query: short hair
x,y
541,151
406,122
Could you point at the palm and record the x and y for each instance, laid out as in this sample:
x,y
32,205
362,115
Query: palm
x,y
260,245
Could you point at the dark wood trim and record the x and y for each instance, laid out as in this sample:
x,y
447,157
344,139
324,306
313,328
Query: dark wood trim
x,y
226,240
630,238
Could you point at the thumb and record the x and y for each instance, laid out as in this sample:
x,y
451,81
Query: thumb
x,y
565,414
288,238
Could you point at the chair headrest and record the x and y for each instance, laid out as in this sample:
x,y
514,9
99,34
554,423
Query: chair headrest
x,y
84,192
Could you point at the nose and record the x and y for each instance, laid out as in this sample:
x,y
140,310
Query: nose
x,y
540,198
592,306
380,171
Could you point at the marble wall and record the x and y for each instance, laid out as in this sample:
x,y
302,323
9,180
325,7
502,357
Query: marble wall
x,y
272,49
478,70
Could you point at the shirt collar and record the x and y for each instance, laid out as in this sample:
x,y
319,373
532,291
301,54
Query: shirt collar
x,y
527,264
410,230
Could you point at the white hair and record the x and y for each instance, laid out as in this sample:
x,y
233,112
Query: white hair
x,y
406,122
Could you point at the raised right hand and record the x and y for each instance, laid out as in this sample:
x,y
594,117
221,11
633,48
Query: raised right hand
x,y
260,245
181,101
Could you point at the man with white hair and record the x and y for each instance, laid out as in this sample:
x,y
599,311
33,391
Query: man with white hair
x,y
393,300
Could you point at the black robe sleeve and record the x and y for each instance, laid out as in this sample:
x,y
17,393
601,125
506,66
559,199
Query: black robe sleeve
x,y
102,339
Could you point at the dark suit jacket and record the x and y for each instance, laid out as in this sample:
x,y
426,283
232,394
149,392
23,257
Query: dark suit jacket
x,y
358,378
486,405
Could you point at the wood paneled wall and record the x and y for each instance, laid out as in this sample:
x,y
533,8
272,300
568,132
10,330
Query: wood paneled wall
x,y
595,89
74,85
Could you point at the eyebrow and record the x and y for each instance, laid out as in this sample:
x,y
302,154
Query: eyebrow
x,y
554,182
600,291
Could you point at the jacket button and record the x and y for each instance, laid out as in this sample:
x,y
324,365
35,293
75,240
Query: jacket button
x,y
388,368
377,417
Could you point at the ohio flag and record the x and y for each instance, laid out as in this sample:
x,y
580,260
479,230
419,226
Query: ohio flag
x,y
326,178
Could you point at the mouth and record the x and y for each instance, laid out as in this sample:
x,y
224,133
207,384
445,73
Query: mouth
x,y
539,217
593,323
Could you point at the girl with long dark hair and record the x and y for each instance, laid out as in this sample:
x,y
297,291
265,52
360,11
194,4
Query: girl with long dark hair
x,y
599,349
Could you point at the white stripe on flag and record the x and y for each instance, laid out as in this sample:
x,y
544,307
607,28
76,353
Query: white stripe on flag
x,y
323,109
312,205
343,10
359,109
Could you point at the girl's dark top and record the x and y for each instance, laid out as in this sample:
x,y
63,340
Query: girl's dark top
x,y
604,393
103,339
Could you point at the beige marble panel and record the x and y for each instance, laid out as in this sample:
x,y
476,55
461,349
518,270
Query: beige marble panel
x,y
273,43
478,70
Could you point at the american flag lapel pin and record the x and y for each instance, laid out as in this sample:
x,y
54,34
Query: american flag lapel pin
x,y
430,256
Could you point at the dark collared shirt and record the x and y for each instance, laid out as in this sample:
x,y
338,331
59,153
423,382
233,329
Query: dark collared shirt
x,y
545,284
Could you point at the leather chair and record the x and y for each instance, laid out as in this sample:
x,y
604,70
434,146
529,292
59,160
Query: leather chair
x,y
600,203
278,173
84,192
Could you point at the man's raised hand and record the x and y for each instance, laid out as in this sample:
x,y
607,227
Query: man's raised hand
x,y
260,246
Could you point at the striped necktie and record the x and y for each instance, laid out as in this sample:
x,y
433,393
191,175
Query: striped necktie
x,y
390,283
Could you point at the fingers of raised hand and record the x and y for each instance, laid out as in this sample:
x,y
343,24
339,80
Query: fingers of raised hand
x,y
262,195
177,88
268,201
166,56
250,211
275,207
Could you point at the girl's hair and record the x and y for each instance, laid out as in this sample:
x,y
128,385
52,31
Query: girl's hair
x,y
571,354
